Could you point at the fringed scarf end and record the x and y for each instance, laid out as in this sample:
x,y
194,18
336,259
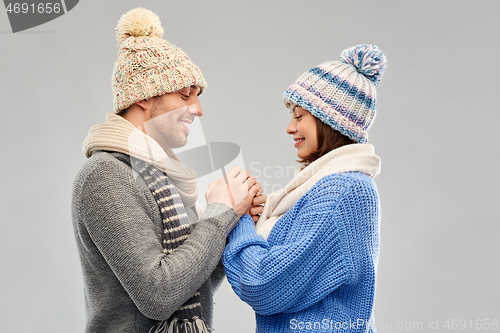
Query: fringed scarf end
x,y
193,325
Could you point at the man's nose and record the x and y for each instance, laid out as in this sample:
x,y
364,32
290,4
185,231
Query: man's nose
x,y
195,109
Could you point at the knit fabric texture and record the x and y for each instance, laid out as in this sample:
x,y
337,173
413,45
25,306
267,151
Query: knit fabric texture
x,y
354,157
176,229
342,93
130,283
147,65
317,269
119,135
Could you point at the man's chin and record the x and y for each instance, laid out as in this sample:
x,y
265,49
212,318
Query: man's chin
x,y
179,144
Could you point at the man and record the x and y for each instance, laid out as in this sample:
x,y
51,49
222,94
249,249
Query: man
x,y
148,254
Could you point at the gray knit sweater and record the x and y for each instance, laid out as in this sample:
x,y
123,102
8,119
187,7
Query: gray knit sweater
x,y
129,283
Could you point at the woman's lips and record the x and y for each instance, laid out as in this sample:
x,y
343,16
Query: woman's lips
x,y
298,142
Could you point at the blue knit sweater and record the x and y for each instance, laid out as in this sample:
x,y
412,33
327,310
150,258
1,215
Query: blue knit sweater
x,y
316,271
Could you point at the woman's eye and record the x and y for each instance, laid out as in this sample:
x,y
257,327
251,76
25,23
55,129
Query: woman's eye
x,y
185,96
298,117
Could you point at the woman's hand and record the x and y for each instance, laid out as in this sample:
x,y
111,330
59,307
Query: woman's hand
x,y
236,189
257,206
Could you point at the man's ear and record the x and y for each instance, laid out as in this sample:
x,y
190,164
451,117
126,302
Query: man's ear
x,y
145,104
138,113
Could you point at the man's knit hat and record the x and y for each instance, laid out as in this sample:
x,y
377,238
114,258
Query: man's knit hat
x,y
148,65
342,93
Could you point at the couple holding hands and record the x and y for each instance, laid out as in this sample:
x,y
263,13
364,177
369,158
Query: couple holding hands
x,y
304,257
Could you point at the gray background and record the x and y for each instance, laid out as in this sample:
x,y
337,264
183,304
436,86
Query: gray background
x,y
436,132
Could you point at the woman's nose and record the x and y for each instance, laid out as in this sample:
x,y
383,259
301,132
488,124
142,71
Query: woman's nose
x,y
291,129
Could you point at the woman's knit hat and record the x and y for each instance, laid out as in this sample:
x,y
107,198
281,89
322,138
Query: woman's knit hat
x,y
342,93
147,65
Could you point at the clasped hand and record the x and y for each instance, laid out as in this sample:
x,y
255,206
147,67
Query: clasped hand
x,y
238,190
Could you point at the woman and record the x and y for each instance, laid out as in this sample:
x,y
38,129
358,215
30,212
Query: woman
x,y
310,261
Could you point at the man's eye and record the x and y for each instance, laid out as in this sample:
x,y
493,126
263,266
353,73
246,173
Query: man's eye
x,y
185,96
298,117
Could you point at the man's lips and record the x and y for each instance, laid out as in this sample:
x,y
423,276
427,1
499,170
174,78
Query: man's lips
x,y
185,123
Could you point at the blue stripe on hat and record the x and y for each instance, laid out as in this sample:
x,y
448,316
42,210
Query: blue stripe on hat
x,y
352,116
353,92
296,98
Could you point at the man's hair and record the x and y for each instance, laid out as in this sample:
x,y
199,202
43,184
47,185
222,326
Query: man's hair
x,y
328,140
124,111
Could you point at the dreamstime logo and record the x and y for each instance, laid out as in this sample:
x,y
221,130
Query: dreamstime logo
x,y
25,14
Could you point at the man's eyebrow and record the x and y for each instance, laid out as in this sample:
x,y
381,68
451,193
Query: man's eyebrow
x,y
194,87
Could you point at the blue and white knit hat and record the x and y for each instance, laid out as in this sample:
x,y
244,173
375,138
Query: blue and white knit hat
x,y
342,93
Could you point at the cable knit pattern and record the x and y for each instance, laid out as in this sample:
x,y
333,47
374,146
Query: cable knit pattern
x,y
317,268
147,65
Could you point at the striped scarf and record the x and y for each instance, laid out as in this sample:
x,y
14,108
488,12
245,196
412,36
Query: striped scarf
x,y
175,231
119,135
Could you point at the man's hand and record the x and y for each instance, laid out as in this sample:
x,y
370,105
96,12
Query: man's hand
x,y
236,189
257,206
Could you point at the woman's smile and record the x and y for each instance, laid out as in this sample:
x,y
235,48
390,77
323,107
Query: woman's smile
x,y
298,141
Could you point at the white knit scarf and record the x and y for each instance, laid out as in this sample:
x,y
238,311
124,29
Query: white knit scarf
x,y
119,135
353,157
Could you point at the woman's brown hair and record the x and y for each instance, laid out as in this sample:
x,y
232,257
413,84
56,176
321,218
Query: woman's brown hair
x,y
328,140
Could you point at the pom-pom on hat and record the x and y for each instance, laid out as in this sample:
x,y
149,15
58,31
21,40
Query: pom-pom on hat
x,y
147,65
342,93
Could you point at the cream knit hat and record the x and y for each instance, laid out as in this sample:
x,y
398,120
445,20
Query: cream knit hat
x,y
148,65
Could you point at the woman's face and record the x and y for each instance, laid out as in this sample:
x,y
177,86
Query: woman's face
x,y
303,128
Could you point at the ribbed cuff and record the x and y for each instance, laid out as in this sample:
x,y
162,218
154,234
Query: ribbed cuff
x,y
223,216
245,231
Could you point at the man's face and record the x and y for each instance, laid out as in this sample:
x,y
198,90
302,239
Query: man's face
x,y
171,115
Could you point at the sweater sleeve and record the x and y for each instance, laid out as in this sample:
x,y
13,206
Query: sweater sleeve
x,y
310,262
115,211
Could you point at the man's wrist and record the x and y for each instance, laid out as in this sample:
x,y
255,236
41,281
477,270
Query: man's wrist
x,y
224,216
